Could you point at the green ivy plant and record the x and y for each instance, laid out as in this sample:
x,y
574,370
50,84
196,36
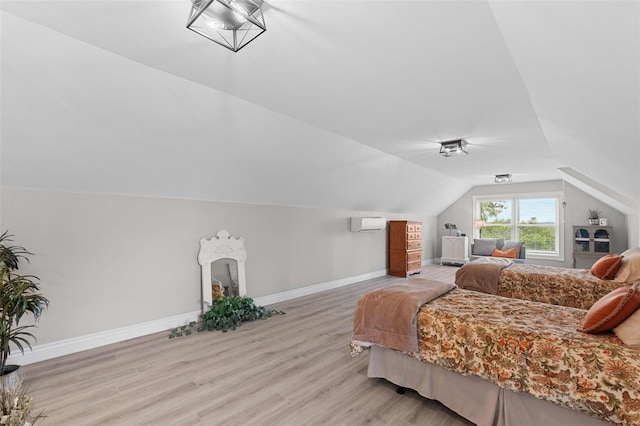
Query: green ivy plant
x,y
225,313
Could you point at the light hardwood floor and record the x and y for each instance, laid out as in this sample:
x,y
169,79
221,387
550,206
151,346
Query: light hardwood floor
x,y
292,369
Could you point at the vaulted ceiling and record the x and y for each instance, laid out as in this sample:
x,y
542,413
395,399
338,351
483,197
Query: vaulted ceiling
x,y
339,104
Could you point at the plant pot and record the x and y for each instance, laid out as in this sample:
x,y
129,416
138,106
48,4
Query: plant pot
x,y
11,375
594,221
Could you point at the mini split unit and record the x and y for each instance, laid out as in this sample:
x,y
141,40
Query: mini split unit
x,y
359,224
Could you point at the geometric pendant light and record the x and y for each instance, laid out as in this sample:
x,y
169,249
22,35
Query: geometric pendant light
x,y
503,178
230,23
455,147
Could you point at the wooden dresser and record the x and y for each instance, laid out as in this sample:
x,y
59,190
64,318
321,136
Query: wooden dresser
x,y
405,248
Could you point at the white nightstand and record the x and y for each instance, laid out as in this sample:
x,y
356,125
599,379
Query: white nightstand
x,y
455,251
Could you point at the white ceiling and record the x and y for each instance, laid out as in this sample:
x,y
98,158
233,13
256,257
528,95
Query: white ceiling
x,y
338,104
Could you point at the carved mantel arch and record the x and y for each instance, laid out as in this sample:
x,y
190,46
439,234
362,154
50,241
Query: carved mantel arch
x,y
222,246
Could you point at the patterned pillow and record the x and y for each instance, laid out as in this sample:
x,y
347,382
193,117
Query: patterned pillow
x,y
612,309
606,267
629,330
630,268
512,253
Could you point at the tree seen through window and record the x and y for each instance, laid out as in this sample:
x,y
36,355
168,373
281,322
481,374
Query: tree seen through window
x,y
536,219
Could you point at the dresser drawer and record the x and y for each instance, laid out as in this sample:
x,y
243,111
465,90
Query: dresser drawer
x,y
418,227
414,266
411,227
412,236
414,244
414,256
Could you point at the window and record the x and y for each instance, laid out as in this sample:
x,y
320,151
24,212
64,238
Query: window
x,y
534,219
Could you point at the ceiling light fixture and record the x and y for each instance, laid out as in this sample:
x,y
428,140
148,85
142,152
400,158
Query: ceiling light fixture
x,y
503,178
455,147
230,23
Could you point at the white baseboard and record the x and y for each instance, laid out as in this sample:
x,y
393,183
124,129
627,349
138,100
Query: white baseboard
x,y
305,291
82,343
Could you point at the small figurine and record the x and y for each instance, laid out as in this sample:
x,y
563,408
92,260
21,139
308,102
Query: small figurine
x,y
217,290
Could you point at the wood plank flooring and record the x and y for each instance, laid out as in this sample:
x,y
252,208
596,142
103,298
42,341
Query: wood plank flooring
x,y
292,369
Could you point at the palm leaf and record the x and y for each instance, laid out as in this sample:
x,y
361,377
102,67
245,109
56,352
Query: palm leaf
x,y
19,296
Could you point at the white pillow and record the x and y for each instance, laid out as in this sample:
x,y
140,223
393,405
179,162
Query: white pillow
x,y
629,330
630,268
631,252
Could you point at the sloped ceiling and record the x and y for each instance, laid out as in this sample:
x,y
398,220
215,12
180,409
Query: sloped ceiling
x,y
338,104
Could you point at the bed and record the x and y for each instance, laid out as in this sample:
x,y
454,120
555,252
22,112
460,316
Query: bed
x,y
503,361
577,288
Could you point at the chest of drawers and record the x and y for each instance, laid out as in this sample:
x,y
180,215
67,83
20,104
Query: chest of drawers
x,y
405,248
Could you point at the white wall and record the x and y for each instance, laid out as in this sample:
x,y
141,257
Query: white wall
x,y
633,223
112,261
575,213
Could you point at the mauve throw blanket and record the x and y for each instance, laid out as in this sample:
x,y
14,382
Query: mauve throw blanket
x,y
482,274
387,316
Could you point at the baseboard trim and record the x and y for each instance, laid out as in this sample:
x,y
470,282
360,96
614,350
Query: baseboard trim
x,y
316,288
91,341
82,343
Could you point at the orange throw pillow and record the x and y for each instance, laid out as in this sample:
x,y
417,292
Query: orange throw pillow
x,y
511,253
606,267
612,309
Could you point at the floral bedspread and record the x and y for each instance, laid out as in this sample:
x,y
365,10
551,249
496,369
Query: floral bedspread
x,y
558,286
532,347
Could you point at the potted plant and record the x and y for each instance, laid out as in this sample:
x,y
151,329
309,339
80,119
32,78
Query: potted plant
x,y
16,406
19,296
594,216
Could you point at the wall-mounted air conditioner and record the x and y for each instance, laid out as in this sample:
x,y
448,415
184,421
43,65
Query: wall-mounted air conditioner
x,y
368,224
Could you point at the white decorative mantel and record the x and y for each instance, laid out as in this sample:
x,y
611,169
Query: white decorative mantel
x,y
222,246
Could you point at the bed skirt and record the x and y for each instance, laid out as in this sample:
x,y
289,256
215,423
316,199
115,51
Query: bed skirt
x,y
474,398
